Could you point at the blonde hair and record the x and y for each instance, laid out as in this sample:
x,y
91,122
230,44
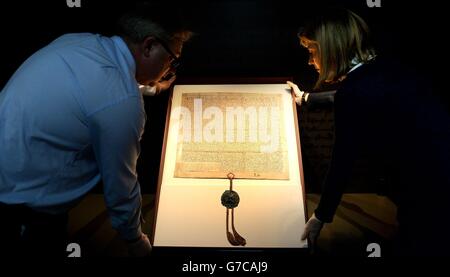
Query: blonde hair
x,y
341,38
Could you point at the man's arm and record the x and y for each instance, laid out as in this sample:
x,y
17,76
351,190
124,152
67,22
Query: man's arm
x,y
115,131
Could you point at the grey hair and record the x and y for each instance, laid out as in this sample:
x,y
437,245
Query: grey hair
x,y
152,20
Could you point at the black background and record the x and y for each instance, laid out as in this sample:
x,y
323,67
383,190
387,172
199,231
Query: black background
x,y
247,38
234,38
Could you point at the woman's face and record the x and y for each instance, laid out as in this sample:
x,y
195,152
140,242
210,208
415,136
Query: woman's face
x,y
313,49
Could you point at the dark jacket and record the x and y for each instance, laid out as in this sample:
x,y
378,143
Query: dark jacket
x,y
389,113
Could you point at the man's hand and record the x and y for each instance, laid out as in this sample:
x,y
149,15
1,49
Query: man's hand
x,y
140,247
297,93
156,88
148,90
312,230
165,84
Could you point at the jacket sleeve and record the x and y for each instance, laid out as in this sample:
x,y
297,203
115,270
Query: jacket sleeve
x,y
116,131
345,148
320,99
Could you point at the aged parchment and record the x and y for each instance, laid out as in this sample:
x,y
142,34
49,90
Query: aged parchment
x,y
223,132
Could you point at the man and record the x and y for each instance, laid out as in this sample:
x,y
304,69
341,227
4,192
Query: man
x,y
72,114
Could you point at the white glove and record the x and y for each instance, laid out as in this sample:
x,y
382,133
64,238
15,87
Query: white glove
x,y
312,229
141,247
155,88
297,92
148,90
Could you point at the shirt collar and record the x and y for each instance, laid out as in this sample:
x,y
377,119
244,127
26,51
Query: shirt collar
x,y
355,67
356,63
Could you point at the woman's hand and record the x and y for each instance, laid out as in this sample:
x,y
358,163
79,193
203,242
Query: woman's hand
x,y
297,93
312,231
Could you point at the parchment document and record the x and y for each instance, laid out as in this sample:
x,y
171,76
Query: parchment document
x,y
223,132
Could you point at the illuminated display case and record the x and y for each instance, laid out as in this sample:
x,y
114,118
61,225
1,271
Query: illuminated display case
x,y
231,172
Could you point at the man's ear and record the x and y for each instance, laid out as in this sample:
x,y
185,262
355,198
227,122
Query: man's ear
x,y
147,45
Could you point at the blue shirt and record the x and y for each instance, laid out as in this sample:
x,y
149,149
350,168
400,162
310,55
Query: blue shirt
x,y
70,115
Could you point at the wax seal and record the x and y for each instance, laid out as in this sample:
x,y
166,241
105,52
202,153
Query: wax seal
x,y
230,199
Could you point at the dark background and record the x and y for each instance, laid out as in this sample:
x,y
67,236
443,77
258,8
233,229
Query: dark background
x,y
234,38
246,38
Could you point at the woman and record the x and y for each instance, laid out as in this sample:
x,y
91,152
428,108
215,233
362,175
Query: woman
x,y
387,113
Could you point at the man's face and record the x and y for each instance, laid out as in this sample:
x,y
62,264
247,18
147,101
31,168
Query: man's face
x,y
155,59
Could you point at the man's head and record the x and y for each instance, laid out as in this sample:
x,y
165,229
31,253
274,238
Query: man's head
x,y
336,39
155,34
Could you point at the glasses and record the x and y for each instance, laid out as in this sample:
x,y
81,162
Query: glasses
x,y
175,63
